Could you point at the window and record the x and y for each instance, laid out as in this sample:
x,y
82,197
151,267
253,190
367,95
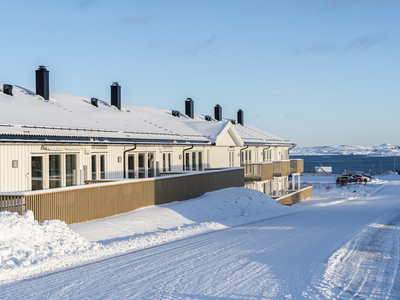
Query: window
x,y
187,161
37,172
131,166
142,165
150,165
267,155
166,162
200,161
102,166
94,168
54,171
70,170
231,158
246,157
194,162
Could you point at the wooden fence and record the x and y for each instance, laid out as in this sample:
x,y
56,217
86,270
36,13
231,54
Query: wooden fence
x,y
95,201
300,195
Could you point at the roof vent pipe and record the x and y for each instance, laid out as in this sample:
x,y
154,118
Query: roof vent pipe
x,y
116,95
42,82
240,117
7,89
189,107
95,102
218,112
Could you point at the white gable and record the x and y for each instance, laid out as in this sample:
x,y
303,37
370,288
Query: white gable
x,y
229,137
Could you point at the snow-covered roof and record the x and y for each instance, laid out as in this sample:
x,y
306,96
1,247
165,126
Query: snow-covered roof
x,y
26,115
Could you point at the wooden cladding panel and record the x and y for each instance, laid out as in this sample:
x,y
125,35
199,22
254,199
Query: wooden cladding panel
x,y
267,170
281,168
97,201
296,165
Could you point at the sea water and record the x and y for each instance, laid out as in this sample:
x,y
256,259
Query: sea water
x,y
342,163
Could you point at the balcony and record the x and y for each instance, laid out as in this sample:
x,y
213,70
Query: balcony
x,y
296,166
281,168
258,171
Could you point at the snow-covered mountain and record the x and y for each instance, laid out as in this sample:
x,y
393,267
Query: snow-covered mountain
x,y
381,150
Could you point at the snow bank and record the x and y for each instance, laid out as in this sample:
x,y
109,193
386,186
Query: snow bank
x,y
29,248
25,242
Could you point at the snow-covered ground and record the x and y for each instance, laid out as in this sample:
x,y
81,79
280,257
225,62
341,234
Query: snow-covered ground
x,y
235,243
381,150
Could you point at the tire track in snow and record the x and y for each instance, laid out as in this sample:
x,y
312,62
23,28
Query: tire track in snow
x,y
367,266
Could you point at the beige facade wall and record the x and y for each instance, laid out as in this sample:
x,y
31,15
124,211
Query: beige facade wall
x,y
18,177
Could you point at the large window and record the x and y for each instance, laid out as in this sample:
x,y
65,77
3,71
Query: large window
x,y
70,170
37,172
267,155
246,157
51,170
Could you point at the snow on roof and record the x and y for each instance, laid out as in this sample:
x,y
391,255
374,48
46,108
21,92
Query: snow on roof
x,y
210,129
252,135
26,114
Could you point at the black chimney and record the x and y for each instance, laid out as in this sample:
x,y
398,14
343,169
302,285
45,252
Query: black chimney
x,y
7,89
189,107
116,95
240,117
95,102
42,82
218,112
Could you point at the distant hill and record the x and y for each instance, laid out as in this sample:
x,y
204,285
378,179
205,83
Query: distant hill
x,y
381,150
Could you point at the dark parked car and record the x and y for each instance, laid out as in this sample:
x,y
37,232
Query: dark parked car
x,y
345,179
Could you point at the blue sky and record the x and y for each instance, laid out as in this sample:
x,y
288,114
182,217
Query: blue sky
x,y
316,72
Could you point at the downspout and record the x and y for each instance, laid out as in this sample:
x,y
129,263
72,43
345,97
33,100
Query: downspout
x,y
125,159
183,156
241,153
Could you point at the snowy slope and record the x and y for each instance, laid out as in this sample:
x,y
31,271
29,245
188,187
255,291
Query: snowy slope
x,y
382,150
342,244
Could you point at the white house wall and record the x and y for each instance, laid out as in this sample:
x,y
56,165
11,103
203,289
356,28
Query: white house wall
x,y
18,177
